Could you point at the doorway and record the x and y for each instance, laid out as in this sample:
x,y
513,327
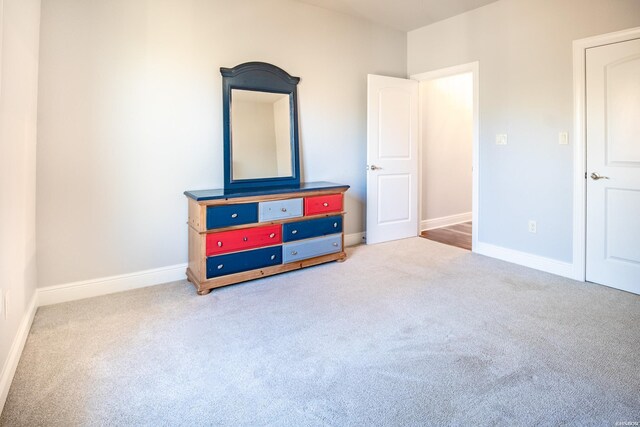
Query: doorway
x,y
394,155
448,155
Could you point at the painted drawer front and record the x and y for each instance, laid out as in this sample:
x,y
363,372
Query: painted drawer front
x,y
228,215
322,204
311,248
221,265
246,238
311,228
279,209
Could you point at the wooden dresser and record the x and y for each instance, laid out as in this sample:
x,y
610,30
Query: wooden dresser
x,y
244,235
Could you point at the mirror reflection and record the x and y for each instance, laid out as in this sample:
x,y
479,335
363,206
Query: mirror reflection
x,y
261,134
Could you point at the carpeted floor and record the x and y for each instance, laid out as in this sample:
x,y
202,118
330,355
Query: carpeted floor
x,y
410,332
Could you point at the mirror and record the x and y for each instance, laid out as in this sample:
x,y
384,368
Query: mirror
x,y
260,127
260,135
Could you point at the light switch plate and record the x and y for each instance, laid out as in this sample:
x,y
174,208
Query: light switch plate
x,y
563,138
501,139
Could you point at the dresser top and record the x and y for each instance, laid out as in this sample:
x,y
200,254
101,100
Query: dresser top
x,y
220,193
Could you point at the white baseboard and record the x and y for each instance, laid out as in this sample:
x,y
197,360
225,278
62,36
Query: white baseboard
x,y
124,282
445,221
10,365
537,262
354,239
108,285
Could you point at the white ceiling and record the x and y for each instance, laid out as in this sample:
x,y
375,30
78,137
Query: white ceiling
x,y
404,15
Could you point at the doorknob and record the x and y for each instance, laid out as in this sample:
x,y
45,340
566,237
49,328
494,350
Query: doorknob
x,y
374,167
596,177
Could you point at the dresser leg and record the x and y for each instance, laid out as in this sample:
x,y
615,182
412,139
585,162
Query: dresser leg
x,y
203,291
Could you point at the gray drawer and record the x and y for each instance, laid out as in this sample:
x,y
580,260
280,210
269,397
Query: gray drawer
x,y
311,248
279,209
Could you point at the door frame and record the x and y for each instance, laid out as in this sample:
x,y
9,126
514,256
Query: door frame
x,y
580,141
474,69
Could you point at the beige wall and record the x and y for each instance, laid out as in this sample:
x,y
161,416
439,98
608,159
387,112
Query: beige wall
x,y
130,116
19,26
447,135
524,49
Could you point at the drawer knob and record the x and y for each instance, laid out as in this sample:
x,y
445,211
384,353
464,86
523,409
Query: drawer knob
x,y
325,204
220,266
294,252
219,244
273,257
272,235
335,244
335,225
283,209
294,231
244,239
235,215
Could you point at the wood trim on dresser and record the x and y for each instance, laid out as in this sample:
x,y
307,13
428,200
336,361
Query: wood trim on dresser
x,y
207,273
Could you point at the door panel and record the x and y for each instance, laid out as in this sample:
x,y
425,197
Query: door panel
x,y
622,208
395,191
622,109
395,123
613,151
392,158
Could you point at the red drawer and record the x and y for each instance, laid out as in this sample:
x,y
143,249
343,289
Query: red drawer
x,y
246,238
322,204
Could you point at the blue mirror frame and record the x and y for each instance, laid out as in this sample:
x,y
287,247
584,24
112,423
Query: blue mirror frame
x,y
262,77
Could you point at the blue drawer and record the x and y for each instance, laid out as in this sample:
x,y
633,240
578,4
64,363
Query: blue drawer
x,y
311,228
311,248
243,261
279,209
228,215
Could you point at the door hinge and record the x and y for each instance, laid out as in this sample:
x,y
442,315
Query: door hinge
x,y
585,175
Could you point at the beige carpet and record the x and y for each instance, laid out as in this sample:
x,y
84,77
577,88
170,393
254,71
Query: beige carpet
x,y
404,333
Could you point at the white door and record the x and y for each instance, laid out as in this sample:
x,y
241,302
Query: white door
x,y
392,159
613,165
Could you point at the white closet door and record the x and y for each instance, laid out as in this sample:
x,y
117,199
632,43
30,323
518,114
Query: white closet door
x,y
613,165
